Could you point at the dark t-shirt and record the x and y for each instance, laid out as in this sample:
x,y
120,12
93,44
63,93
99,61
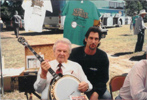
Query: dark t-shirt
x,y
96,67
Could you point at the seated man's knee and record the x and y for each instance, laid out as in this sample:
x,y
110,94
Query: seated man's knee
x,y
94,96
106,95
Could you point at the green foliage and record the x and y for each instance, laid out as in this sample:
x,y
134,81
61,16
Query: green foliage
x,y
5,13
144,4
132,6
8,9
135,5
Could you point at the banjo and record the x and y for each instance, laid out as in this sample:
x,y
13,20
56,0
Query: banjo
x,y
62,87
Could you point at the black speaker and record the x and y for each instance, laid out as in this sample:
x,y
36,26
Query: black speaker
x,y
26,83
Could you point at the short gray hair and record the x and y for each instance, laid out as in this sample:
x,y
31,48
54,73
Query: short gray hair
x,y
63,40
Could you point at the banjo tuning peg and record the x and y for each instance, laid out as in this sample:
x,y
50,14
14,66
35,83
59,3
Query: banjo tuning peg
x,y
22,40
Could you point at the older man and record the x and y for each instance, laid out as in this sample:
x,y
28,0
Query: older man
x,y
135,84
62,49
139,31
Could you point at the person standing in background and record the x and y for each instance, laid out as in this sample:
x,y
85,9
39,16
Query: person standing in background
x,y
16,22
139,30
134,18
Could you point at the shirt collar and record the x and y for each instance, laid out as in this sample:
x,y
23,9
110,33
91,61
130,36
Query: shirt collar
x,y
63,64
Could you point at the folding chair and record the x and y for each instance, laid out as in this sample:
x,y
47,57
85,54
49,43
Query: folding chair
x,y
116,83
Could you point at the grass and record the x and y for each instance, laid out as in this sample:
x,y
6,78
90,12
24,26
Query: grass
x,y
120,40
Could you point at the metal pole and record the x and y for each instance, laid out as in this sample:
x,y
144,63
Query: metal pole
x,y
1,75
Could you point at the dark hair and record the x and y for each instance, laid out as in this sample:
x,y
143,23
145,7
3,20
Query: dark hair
x,y
92,29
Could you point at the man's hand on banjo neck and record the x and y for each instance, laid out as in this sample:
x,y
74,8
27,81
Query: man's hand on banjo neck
x,y
44,66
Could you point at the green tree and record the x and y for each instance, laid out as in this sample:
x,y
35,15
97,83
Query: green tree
x,y
132,6
144,5
8,8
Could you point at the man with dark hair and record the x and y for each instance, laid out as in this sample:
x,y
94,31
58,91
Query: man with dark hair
x,y
16,22
94,62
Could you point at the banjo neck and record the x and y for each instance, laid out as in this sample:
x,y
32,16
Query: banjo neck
x,y
24,42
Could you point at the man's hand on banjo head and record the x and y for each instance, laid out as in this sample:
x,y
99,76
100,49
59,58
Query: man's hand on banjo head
x,y
44,69
83,86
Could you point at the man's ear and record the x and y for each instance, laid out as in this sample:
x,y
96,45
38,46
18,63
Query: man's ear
x,y
99,44
85,39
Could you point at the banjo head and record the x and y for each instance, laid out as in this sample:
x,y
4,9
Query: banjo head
x,y
63,88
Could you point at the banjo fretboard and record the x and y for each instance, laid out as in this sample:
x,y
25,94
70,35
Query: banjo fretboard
x,y
25,43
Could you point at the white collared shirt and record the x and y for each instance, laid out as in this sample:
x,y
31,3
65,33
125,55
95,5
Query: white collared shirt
x,y
135,84
70,68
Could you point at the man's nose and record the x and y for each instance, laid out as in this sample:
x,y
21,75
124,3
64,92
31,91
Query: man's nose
x,y
61,52
93,40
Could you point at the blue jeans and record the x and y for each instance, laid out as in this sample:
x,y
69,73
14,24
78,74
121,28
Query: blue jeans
x,y
16,30
140,41
106,95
